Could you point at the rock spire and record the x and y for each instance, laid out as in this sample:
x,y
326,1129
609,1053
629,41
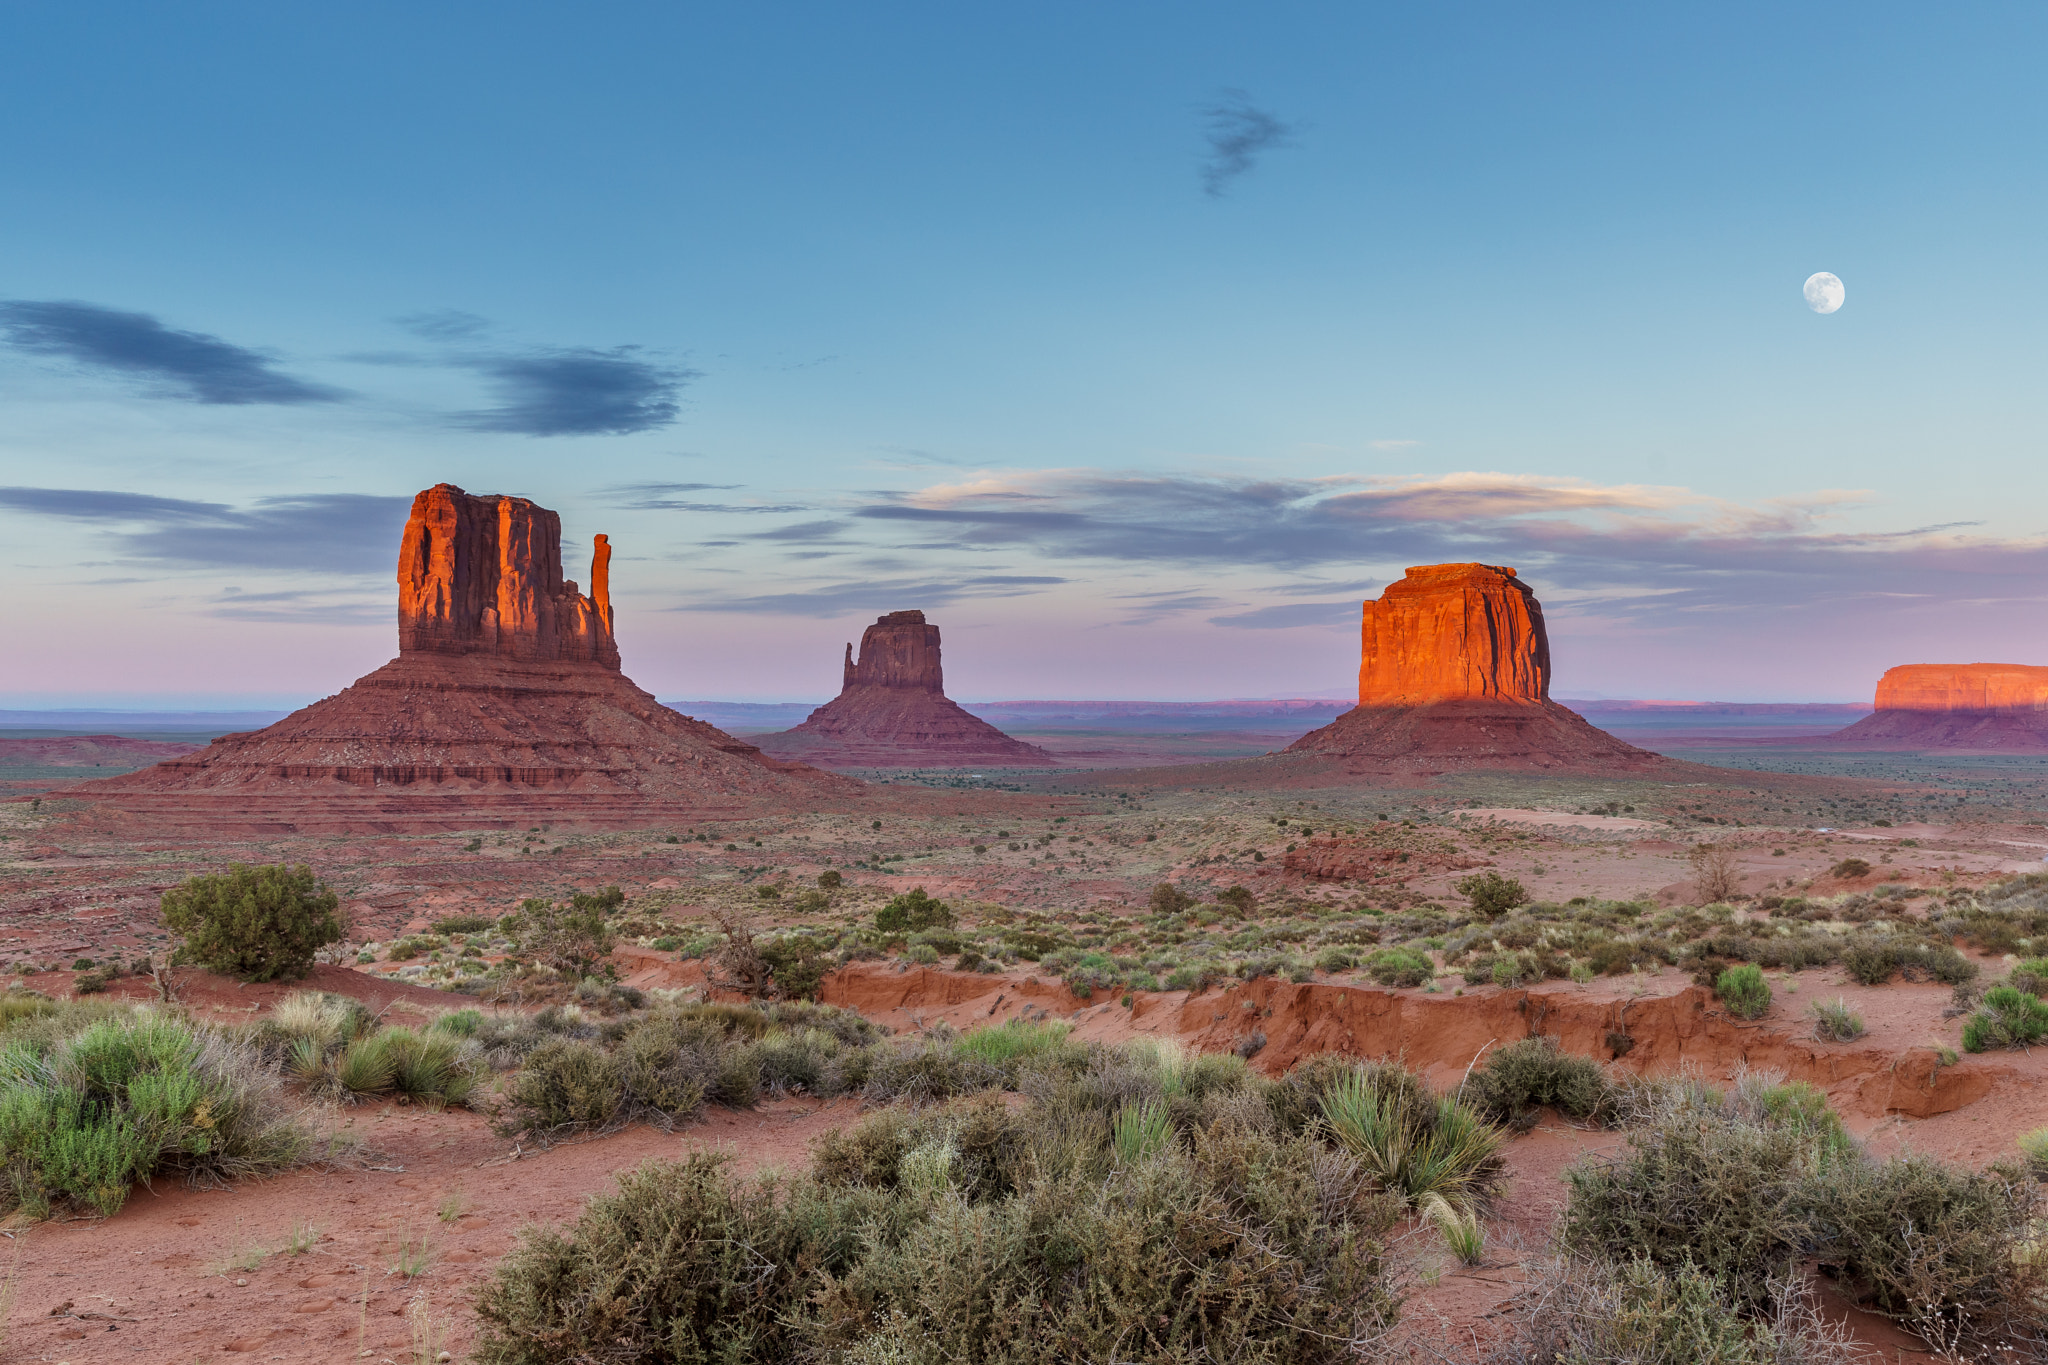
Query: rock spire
x,y
892,711
483,575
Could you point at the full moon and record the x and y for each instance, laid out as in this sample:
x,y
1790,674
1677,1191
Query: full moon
x,y
1824,292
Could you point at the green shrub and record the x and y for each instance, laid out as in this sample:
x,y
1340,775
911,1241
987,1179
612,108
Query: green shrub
x,y
1850,869
1872,961
798,964
431,1067
463,924
85,1114
565,1086
1522,1076
1168,899
2034,1151
2006,1018
911,911
2030,976
1743,990
1491,895
830,880
257,923
1400,967
573,939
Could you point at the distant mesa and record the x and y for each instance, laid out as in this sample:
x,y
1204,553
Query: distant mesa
x,y
505,702
1981,707
1454,673
892,712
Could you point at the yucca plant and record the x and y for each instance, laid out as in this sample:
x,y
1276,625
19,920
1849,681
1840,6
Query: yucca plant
x,y
1460,1228
1416,1146
366,1066
1140,1131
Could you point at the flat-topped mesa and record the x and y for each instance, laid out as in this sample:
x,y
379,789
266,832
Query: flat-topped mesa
x,y
1454,673
898,650
1447,632
1984,708
483,575
1993,688
892,711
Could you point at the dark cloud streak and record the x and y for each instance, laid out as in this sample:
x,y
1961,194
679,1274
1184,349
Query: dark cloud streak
x,y
580,392
188,365
1238,133
349,533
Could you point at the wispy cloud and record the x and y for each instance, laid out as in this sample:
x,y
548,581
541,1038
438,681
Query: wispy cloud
x,y
192,366
1238,133
578,392
349,533
875,595
1645,549
1287,615
302,607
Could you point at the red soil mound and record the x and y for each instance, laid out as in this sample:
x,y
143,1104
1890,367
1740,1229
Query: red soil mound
x,y
505,703
892,712
1978,707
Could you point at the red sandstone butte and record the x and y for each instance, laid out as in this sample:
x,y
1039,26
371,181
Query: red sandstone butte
x,y
892,712
1983,707
1454,673
505,702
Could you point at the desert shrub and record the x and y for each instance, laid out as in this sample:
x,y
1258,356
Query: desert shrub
x,y
928,1071
2006,1018
1873,960
564,1086
1239,899
1336,959
961,1233
1491,895
1743,990
2034,1152
257,923
463,924
572,938
1699,1186
1850,869
1400,967
798,964
1413,1144
1538,1071
1952,1254
830,880
434,1067
1014,1043
1633,1310
129,1097
911,911
1168,899
1835,1022
2030,976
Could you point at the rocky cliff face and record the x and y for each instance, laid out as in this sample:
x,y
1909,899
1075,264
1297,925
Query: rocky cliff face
x,y
892,712
484,576
1452,631
898,650
1454,674
1963,687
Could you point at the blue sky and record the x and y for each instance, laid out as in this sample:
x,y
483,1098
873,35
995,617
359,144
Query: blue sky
x,y
1135,343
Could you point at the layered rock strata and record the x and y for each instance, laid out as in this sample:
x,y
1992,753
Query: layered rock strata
x,y
505,702
892,711
1454,673
1982,707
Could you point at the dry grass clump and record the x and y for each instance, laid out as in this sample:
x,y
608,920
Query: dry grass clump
x,y
92,1100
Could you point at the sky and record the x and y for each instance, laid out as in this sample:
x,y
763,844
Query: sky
x,y
1135,343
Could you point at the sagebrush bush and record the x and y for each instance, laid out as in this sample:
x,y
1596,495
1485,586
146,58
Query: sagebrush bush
x,y
964,1234
1744,991
911,911
1522,1076
257,923
1635,1311
87,1111
1400,967
1491,895
1872,961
